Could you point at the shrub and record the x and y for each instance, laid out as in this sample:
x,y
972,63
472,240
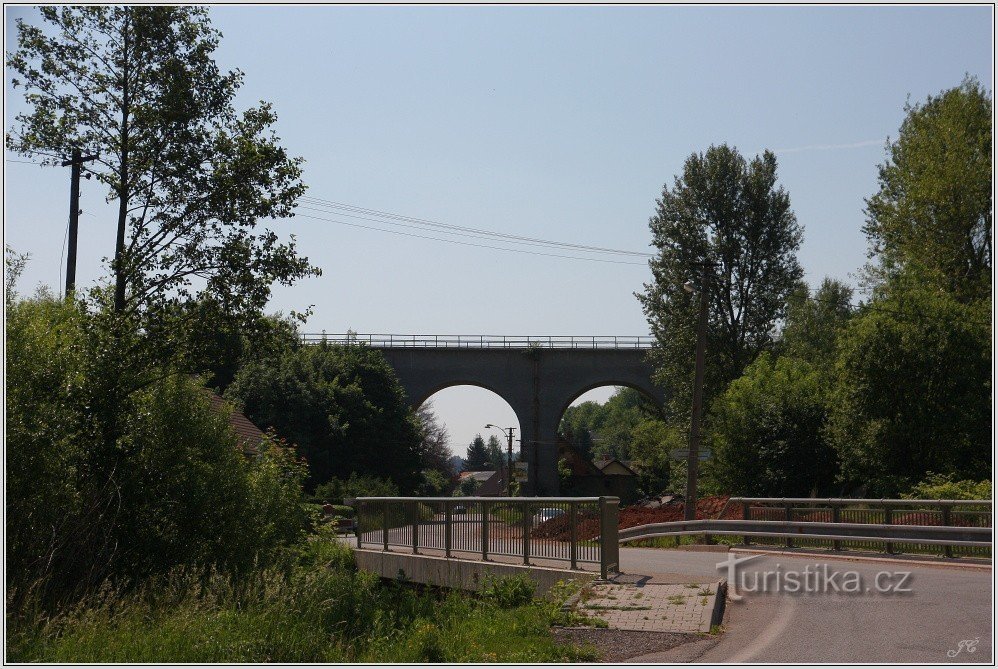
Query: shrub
x,y
124,473
507,592
945,486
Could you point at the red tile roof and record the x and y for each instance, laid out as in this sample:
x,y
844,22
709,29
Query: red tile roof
x,y
248,436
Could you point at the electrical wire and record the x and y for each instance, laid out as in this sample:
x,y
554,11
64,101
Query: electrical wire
x,y
462,243
457,229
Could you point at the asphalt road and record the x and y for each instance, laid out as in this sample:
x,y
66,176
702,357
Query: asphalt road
x,y
945,606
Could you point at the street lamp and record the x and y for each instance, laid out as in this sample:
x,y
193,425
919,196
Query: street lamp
x,y
693,456
508,433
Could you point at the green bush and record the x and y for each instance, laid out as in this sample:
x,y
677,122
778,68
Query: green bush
x,y
945,486
341,510
123,473
336,490
507,592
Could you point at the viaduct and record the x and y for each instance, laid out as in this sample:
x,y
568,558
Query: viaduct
x,y
539,377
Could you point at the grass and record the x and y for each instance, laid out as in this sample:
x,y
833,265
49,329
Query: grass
x,y
677,600
318,609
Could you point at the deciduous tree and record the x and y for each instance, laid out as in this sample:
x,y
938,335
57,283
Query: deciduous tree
x,y
139,87
933,213
725,216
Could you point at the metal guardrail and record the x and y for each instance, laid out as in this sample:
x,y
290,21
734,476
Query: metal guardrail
x,y
481,341
837,523
917,534
572,529
901,512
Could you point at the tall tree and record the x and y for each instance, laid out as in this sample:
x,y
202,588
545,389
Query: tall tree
x,y
435,448
139,87
727,218
933,213
342,406
913,391
813,324
767,431
477,459
497,453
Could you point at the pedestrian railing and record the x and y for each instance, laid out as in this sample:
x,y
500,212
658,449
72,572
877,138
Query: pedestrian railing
x,y
480,341
571,529
956,527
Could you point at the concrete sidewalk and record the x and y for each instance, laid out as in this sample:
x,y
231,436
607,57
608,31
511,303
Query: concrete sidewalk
x,y
647,606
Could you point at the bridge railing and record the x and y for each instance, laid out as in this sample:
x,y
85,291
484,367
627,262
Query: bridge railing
x,y
481,341
920,526
570,529
932,513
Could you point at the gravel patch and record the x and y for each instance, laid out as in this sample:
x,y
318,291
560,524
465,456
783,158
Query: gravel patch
x,y
618,645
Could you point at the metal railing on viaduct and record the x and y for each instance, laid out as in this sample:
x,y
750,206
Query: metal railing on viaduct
x,y
481,341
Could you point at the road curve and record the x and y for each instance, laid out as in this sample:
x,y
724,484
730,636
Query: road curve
x,y
945,606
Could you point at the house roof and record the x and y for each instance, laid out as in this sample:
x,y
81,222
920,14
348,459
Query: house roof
x,y
615,466
248,436
579,465
481,477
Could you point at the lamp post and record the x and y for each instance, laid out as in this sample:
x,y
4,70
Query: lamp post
x,y
693,456
508,433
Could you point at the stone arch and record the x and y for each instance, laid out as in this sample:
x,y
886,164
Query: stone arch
x,y
648,391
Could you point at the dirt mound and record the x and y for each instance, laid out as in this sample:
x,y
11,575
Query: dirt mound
x,y
587,525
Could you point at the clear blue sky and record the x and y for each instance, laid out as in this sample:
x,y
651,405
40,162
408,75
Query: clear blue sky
x,y
553,122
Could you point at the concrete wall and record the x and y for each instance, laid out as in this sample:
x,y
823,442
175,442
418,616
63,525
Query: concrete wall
x,y
539,384
460,574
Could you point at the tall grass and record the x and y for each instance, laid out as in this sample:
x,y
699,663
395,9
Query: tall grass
x,y
313,608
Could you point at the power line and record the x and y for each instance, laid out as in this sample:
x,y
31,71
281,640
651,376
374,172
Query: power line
x,y
466,230
469,235
462,243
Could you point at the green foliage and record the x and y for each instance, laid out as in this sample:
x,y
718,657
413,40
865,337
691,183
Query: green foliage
x,y
652,444
467,488
121,472
496,453
943,486
814,324
606,430
766,431
336,490
477,459
729,214
139,87
566,480
434,484
913,390
315,608
342,407
343,511
507,592
435,448
932,216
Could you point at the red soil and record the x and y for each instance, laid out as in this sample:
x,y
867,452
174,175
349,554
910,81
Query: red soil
x,y
587,526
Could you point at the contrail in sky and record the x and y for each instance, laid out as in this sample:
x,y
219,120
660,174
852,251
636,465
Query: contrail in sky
x,y
831,147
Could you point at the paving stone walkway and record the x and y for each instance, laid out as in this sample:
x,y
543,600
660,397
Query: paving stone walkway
x,y
651,607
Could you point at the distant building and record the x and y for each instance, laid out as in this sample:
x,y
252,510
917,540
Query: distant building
x,y
612,478
489,483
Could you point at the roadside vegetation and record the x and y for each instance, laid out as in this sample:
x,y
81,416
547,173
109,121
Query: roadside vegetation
x,y
824,390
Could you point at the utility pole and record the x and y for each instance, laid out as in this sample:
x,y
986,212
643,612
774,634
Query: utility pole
x,y
508,433
74,215
693,457
509,465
